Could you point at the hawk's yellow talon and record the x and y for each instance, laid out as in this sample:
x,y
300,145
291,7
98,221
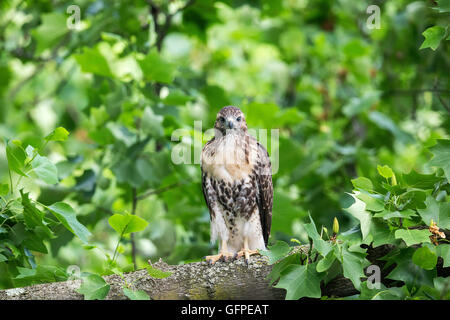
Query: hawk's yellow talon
x,y
245,252
222,256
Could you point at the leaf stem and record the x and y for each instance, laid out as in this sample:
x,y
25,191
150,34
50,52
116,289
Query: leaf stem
x,y
10,180
117,245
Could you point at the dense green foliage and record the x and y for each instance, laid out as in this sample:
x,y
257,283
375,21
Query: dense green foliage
x,y
91,118
395,212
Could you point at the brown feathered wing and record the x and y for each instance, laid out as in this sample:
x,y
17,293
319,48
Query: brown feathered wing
x,y
265,191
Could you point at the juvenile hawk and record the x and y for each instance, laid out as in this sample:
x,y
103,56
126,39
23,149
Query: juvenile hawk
x,y
237,186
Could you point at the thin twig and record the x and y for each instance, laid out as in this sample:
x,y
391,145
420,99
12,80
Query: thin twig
x,y
412,91
161,30
187,4
444,104
133,212
435,86
158,191
41,66
308,255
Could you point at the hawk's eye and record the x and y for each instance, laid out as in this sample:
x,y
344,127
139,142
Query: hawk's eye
x,y
238,119
222,119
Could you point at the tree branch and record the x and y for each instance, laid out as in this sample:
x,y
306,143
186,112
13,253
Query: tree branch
x,y
199,280
162,30
444,104
158,191
412,91
41,65
193,281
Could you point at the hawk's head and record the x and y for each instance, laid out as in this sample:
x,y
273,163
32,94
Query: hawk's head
x,y
230,119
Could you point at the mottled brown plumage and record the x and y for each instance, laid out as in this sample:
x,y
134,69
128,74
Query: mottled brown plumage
x,y
237,186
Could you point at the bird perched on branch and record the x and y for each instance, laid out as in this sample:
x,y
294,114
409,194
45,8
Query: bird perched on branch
x,y
237,186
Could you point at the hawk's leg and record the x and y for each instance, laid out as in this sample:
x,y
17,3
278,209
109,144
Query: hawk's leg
x,y
222,255
246,251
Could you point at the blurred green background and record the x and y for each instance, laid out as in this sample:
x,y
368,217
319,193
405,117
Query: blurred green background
x,y
344,97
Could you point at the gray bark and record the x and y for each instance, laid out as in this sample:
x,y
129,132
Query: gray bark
x,y
223,280
232,280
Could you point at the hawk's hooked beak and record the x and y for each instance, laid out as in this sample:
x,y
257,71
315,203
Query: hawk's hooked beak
x,y
229,123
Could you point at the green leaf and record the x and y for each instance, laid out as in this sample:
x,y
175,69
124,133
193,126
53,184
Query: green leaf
x,y
276,252
279,267
441,158
408,272
216,97
357,210
405,214
373,202
383,121
176,98
433,37
381,233
4,189
385,171
15,207
380,294
300,281
320,245
127,223
439,212
420,181
352,265
443,6
93,61
413,236
157,273
14,250
136,294
152,123
34,242
59,134
94,287
395,190
41,274
18,234
156,68
359,105
355,48
102,136
425,258
66,167
50,31
362,183
443,250
283,202
16,156
45,170
325,263
34,217
413,199
67,216
441,285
